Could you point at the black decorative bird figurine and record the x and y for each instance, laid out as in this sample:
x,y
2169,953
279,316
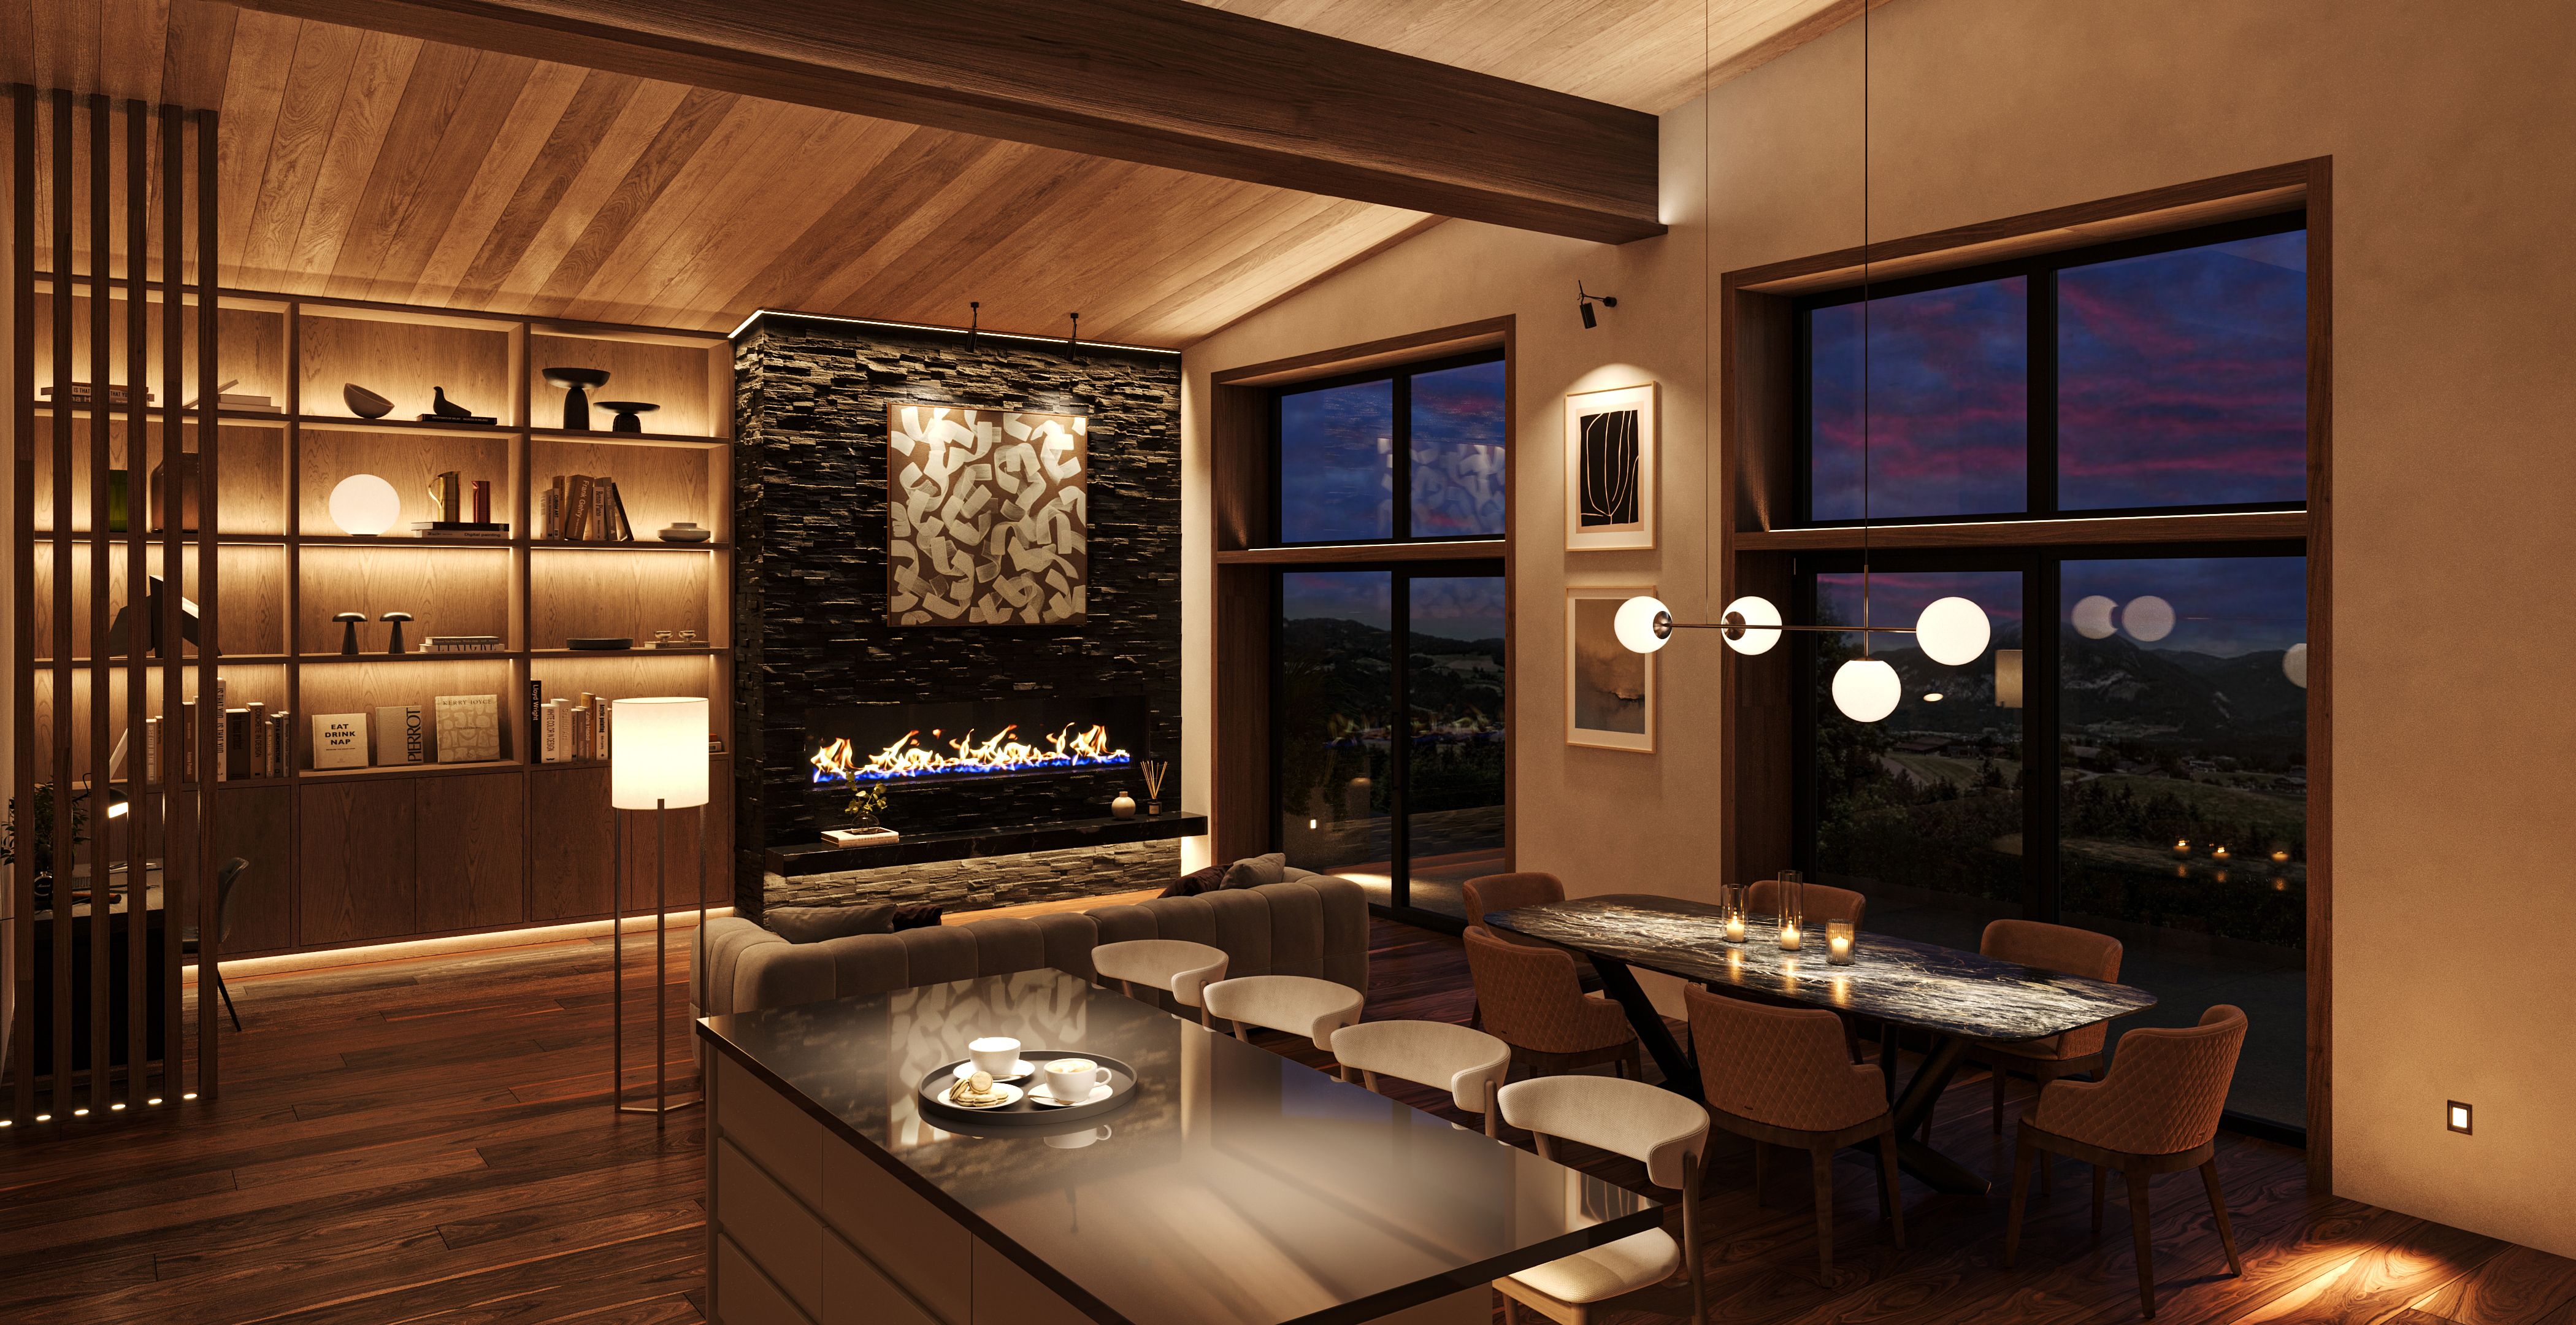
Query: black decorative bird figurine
x,y
447,408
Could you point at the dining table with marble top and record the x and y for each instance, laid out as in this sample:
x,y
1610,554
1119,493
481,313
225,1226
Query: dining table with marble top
x,y
1956,997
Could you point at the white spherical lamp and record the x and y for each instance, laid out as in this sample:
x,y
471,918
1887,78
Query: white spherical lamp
x,y
2294,664
1636,623
1865,689
1757,612
2092,617
659,757
2147,618
365,505
1952,631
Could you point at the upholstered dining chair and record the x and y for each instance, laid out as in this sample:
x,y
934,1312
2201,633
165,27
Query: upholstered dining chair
x,y
1820,901
1468,1063
1783,1076
1648,1123
1298,1004
1175,966
1506,892
2156,1111
2078,1052
227,885
1532,1002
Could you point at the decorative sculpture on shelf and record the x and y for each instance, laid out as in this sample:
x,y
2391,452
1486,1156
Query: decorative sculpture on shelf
x,y
349,631
577,384
394,642
364,403
627,412
443,410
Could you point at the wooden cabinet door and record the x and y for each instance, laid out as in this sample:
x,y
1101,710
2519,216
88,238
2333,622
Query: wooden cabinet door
x,y
251,823
358,854
471,830
568,854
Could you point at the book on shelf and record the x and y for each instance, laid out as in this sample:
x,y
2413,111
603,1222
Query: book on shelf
x,y
400,739
152,752
222,732
461,644
536,711
118,394
619,529
550,746
339,740
460,529
576,507
254,760
859,837
469,728
280,741
186,743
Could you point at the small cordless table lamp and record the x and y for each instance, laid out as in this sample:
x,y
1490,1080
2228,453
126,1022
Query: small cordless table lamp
x,y
657,761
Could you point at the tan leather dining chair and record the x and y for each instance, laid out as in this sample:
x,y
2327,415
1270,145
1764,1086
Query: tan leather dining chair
x,y
1175,966
1469,1064
1532,1002
1820,901
2078,1052
2156,1111
1647,1123
1782,1076
1298,1004
1506,892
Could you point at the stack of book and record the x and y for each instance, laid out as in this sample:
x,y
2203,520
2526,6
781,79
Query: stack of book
x,y
461,644
119,395
490,529
247,403
583,508
251,743
570,729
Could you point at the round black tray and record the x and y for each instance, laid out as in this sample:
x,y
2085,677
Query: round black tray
x,y
1021,1113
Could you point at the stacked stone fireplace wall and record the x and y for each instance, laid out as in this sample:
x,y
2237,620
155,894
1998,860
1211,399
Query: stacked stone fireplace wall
x,y
810,626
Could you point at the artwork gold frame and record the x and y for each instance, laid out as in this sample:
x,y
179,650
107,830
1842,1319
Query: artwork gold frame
x,y
1612,446
1609,690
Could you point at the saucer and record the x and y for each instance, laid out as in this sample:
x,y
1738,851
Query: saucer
x,y
1010,1096
1042,1095
1020,1071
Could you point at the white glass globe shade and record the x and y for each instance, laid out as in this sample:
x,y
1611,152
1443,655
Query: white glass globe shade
x,y
2147,618
1756,611
1635,624
1952,631
2294,664
659,756
1866,689
2092,617
365,504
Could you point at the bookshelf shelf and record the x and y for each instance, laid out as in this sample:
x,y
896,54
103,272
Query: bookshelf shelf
x,y
639,651
639,545
597,437
414,656
391,771
350,423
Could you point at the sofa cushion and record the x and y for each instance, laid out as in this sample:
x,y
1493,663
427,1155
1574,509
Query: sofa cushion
x,y
1204,879
813,924
1256,871
919,915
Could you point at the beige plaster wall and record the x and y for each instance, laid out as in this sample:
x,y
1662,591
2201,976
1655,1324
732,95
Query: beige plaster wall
x,y
2453,131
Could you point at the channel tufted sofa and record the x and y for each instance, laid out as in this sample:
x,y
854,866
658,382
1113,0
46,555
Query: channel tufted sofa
x,y
1314,926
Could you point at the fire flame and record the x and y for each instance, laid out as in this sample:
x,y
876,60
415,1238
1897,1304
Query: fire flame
x,y
1002,752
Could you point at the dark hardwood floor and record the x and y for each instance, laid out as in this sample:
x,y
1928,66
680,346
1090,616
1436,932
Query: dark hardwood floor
x,y
430,1141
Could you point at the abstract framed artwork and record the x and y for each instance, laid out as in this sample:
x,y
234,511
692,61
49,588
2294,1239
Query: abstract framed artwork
x,y
1610,446
987,517
1609,691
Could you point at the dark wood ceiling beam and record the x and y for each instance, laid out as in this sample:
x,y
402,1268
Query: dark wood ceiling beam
x,y
1161,82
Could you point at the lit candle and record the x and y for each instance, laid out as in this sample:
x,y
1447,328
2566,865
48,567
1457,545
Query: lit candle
x,y
1788,936
2219,854
2181,847
1735,927
1838,942
2280,857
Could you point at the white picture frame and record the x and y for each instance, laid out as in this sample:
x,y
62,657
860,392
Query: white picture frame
x,y
1609,691
1612,449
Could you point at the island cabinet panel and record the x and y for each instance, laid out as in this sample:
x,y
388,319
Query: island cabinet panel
x,y
857,1292
568,858
471,831
773,1228
926,1254
1005,1294
745,1296
356,860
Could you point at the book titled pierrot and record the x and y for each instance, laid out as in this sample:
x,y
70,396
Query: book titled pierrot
x,y
339,740
400,738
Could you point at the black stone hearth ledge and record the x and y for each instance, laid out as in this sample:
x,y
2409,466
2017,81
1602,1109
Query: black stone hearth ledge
x,y
805,858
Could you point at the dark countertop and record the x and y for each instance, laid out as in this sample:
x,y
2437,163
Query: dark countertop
x,y
802,858
1237,1188
1892,979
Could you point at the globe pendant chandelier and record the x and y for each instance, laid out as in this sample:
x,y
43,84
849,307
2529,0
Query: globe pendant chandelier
x,y
1951,631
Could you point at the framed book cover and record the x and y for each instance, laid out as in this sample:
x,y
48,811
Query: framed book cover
x,y
1610,457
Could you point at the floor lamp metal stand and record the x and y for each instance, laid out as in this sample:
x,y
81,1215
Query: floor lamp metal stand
x,y
668,760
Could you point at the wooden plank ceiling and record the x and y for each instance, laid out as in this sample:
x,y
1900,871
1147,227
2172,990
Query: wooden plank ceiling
x,y
362,165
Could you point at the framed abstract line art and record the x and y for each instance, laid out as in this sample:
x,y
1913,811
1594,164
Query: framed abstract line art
x,y
1610,444
988,518
1609,691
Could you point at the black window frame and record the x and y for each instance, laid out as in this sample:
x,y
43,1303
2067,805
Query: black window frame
x,y
2040,497
1400,457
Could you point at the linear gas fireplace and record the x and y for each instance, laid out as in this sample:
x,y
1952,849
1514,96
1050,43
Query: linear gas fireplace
x,y
896,745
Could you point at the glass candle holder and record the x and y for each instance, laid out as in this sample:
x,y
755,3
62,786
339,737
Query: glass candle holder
x,y
1839,940
1730,901
1793,910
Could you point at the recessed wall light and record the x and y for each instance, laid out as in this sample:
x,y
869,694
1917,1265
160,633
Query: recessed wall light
x,y
2458,1115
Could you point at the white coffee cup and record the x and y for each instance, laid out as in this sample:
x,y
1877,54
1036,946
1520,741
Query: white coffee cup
x,y
1072,1079
997,1054
1077,1140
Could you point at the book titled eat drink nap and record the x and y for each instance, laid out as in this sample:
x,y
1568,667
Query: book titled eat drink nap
x,y
339,740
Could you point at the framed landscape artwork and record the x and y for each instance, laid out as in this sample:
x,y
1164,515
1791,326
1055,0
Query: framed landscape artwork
x,y
988,517
1610,444
1609,691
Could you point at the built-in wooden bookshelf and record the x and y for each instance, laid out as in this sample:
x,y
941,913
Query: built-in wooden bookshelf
x,y
362,855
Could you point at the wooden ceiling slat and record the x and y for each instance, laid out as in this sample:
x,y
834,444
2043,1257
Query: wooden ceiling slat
x,y
451,159
377,82
607,161
131,35
570,143
317,73
197,53
674,145
401,165
860,220
541,105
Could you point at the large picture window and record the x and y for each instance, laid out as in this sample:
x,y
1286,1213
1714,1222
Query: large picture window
x,y
1409,454
2130,756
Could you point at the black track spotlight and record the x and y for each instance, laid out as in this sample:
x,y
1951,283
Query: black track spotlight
x,y
1583,303
974,322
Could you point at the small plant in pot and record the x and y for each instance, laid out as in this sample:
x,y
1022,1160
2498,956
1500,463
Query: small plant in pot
x,y
40,843
867,801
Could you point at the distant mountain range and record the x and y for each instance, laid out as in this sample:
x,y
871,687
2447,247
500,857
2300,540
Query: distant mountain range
x,y
2113,691
1341,666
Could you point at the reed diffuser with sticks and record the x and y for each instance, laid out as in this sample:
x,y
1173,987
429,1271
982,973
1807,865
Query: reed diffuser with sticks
x,y
1155,772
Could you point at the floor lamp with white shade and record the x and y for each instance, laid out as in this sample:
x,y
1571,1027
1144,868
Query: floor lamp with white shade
x,y
657,761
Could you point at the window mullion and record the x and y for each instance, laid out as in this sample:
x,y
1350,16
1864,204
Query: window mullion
x,y
1400,459
2039,413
